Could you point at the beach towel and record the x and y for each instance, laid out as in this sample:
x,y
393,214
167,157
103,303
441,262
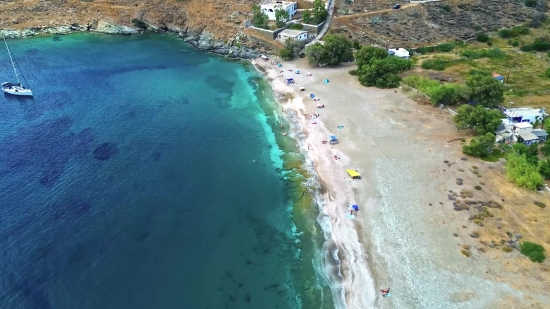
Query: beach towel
x,y
340,127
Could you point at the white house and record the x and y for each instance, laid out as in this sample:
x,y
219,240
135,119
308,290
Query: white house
x,y
525,114
295,35
399,52
522,127
272,6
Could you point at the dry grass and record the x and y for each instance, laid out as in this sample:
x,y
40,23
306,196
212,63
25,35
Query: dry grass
x,y
210,15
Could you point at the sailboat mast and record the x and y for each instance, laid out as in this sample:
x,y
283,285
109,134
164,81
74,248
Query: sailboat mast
x,y
12,64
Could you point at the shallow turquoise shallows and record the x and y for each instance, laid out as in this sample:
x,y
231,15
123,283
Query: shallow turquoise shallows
x,y
143,174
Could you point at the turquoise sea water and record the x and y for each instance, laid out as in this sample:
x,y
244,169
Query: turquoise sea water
x,y
144,174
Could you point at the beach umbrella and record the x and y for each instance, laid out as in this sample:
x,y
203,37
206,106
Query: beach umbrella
x,y
355,207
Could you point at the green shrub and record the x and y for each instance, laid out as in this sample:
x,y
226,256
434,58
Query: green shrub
x,y
514,42
505,33
296,26
507,249
291,49
541,44
519,30
479,147
521,172
483,53
482,37
424,50
477,187
531,3
526,47
448,94
435,64
544,168
445,47
547,74
356,45
534,252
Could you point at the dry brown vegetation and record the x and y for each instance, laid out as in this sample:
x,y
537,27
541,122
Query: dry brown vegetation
x,y
374,22
222,18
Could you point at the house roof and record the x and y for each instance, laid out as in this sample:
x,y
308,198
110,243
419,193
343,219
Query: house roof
x,y
539,132
276,4
523,125
528,136
291,32
523,111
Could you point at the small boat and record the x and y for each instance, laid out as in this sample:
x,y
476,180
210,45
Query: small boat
x,y
15,88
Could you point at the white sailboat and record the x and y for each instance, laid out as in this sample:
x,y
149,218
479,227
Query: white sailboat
x,y
15,88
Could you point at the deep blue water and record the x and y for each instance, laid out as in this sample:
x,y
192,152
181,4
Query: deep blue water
x,y
128,181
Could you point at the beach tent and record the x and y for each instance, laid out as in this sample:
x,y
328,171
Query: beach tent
x,y
355,207
264,57
290,80
279,65
297,71
353,174
325,81
311,95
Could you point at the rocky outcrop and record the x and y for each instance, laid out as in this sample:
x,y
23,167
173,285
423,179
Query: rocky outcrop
x,y
234,48
110,28
205,41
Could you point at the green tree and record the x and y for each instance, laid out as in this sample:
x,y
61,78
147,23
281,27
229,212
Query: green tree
x,y
291,50
316,54
382,73
319,12
478,118
485,90
281,16
356,45
530,152
337,49
545,149
480,146
449,94
367,53
259,18
544,168
521,172
306,16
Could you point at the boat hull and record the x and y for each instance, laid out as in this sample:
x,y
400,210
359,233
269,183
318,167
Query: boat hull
x,y
20,93
16,89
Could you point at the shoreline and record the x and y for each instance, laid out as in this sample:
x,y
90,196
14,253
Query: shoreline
x,y
343,260
200,40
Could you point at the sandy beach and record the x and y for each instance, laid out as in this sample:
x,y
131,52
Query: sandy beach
x,y
406,235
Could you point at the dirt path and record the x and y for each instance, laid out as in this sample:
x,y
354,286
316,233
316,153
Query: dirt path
x,y
403,7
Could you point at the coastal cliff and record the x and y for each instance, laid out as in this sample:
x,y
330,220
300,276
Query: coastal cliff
x,y
208,25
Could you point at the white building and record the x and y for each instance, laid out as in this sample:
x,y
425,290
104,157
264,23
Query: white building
x,y
399,52
295,35
525,114
271,7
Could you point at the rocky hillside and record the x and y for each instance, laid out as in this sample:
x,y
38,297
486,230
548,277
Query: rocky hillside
x,y
220,21
419,24
221,18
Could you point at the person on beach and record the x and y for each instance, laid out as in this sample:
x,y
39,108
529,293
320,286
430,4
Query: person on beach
x,y
385,292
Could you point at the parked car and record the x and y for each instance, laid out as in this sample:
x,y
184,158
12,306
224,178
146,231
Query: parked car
x,y
397,7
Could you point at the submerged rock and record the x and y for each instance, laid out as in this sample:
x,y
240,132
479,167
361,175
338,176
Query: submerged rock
x,y
105,151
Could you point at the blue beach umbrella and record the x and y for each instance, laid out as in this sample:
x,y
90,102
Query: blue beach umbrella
x,y
355,207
